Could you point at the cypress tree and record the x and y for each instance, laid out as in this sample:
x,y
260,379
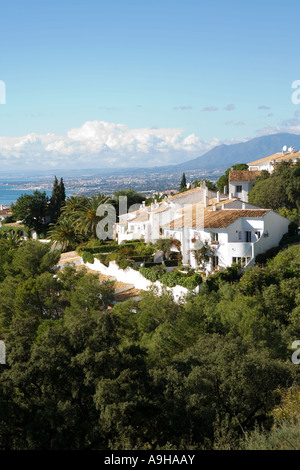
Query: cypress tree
x,y
183,183
58,197
62,193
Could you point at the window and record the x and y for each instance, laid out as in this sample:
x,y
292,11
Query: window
x,y
248,237
215,261
258,235
239,189
214,237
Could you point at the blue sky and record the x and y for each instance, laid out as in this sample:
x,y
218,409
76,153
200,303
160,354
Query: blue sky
x,y
127,82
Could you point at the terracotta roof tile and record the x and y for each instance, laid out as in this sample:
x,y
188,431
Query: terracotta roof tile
x,y
196,218
245,175
276,156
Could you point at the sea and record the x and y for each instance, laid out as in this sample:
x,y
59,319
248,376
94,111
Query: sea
x,y
10,191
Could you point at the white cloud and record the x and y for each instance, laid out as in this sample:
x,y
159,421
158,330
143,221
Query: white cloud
x,y
290,126
210,109
183,108
230,107
99,144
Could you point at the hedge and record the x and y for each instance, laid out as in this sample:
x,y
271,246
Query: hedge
x,y
99,249
175,278
87,257
173,262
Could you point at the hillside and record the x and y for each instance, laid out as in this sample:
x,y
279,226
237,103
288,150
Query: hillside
x,y
225,155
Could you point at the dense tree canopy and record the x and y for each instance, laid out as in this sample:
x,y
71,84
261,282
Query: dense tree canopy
x,y
156,374
31,210
280,191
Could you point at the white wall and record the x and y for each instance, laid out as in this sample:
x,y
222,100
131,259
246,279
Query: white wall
x,y
246,188
131,276
275,226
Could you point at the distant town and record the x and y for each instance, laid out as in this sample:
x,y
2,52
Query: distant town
x,y
146,183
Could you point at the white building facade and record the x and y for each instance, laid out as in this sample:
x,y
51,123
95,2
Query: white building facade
x,y
230,229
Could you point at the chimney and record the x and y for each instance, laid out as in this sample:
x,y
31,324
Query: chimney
x,y
218,196
225,190
230,196
243,206
206,201
214,207
223,207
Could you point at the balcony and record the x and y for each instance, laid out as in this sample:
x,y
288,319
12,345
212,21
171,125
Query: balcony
x,y
241,249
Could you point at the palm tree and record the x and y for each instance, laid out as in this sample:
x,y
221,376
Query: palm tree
x,y
14,238
72,205
64,233
86,215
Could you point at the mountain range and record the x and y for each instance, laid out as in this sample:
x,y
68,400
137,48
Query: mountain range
x,y
223,156
215,161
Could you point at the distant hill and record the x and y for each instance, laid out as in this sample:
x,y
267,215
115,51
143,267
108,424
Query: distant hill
x,y
224,156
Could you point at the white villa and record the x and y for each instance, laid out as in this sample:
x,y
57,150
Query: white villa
x,y
241,182
269,163
147,221
5,212
231,229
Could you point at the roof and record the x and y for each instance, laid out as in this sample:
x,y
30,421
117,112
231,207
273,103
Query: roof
x,y
5,211
212,202
277,156
140,218
184,193
209,218
161,208
244,175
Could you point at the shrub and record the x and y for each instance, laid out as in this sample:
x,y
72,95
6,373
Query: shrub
x,y
87,257
269,254
172,262
175,278
289,239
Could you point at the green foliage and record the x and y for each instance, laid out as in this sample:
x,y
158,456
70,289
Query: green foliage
x,y
78,218
87,257
280,191
285,436
171,279
64,234
133,200
223,180
268,193
212,372
124,255
57,199
229,275
291,214
31,209
209,184
183,185
262,258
